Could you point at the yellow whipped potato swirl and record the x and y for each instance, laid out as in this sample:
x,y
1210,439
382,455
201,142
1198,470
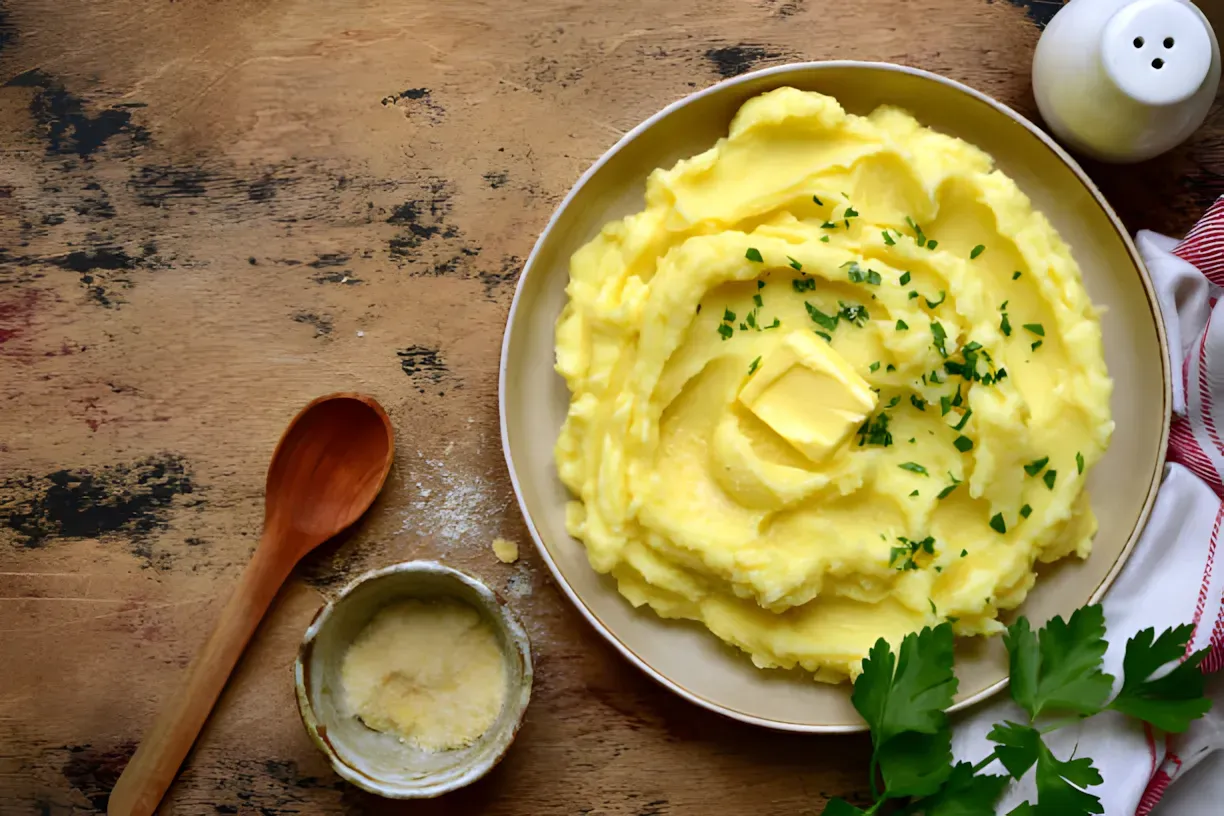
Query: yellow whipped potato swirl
x,y
931,388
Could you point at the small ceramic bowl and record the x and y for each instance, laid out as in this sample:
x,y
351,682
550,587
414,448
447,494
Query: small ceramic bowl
x,y
378,762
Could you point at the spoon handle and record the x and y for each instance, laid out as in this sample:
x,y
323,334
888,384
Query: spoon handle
x,y
156,762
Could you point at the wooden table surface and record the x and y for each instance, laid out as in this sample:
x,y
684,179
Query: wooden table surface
x,y
212,211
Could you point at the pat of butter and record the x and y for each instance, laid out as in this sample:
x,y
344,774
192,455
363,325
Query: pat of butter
x,y
809,395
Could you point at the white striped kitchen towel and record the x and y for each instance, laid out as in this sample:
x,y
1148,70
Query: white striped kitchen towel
x,y
1172,576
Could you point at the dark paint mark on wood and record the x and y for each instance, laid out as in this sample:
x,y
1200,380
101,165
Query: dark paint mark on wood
x,y
423,365
418,99
64,123
733,60
8,32
94,772
1040,12
104,257
786,8
344,278
411,93
503,279
322,323
326,260
131,499
497,178
157,186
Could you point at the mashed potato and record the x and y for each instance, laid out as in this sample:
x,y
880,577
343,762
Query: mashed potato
x,y
838,381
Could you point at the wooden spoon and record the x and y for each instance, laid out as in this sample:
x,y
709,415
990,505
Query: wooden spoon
x,y
327,469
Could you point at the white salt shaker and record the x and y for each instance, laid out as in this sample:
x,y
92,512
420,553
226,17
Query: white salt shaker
x,y
1125,80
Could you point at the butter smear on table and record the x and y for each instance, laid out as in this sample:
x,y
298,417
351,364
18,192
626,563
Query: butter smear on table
x,y
431,672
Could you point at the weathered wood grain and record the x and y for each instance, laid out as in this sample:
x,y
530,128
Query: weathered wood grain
x,y
210,205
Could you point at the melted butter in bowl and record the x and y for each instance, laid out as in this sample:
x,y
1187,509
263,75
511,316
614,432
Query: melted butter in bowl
x,y
414,680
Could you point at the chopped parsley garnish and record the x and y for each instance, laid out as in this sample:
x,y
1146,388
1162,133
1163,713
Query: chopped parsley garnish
x,y
910,549
753,367
726,331
918,402
859,275
1049,477
1016,275
1036,466
913,493
888,239
1026,511
913,467
757,300
976,251
935,377
904,279
874,366
912,294
828,225
1079,462
892,403
820,318
804,284
931,244
760,284
934,611
728,316
751,319
1036,345
794,264
824,239
998,524
958,399
754,254
931,304
919,237
902,325
940,336
945,405
851,212
963,444
964,553
1005,326
1036,328
947,491
960,425
891,367
775,324
828,337
853,312
875,432
817,201
743,327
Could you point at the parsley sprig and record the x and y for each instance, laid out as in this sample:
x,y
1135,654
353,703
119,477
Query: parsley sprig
x,y
1055,672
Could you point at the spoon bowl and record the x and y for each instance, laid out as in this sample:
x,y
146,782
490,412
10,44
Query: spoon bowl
x,y
327,469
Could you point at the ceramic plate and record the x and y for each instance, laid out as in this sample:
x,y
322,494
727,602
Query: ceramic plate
x,y
684,656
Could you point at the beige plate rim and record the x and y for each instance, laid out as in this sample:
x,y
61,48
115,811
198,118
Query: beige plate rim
x,y
1153,304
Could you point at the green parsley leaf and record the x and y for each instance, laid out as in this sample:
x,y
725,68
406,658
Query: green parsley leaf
x,y
726,331
1016,275
757,300
850,213
828,225
902,325
918,402
964,793
931,304
912,294
793,263
913,493
890,367
1049,477
965,418
963,444
1060,785
1026,511
853,312
775,324
913,467
825,335
754,254
947,491
817,201
908,691
892,403
888,239
804,284
1059,667
1005,326
1036,328
964,553
874,366
1172,701
957,400
976,251
728,316
840,807
820,318
1018,746
1036,466
753,367
1079,463
904,279
940,337
998,524
919,237
875,432
824,239
931,244
945,405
